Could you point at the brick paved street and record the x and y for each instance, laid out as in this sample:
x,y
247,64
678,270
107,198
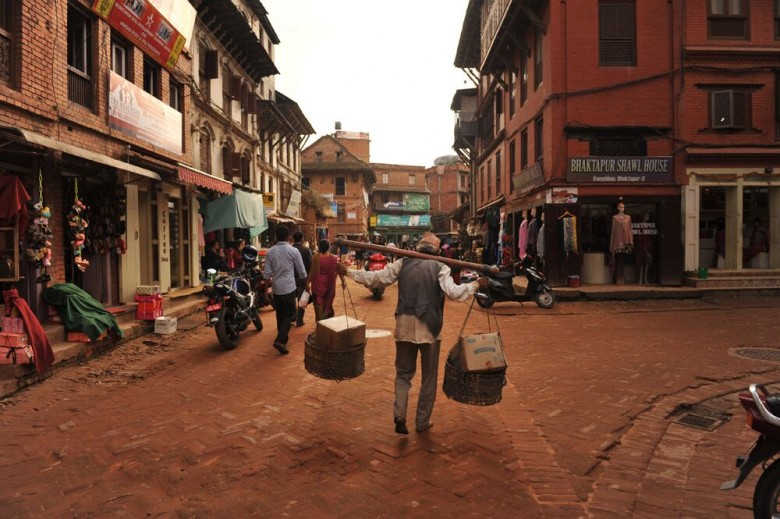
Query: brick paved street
x,y
174,427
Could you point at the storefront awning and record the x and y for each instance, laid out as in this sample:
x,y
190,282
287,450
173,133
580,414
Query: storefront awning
x,y
283,218
69,149
498,201
190,175
238,210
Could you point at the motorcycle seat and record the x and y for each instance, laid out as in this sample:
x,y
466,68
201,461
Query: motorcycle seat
x,y
773,403
502,275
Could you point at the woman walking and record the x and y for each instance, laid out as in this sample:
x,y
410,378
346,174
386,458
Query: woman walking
x,y
322,280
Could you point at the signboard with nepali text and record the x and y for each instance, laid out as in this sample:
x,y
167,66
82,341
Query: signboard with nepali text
x,y
620,169
399,220
141,23
139,114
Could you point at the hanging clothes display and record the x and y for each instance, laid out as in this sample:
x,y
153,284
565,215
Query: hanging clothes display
x,y
533,229
522,238
44,355
569,233
540,249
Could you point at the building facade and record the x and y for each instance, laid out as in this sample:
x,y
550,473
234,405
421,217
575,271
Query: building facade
x,y
337,168
449,187
400,203
125,141
575,117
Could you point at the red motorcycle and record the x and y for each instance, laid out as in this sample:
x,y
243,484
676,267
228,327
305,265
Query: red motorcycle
x,y
763,416
377,261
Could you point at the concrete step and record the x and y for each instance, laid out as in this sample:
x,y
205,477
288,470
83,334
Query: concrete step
x,y
745,282
13,378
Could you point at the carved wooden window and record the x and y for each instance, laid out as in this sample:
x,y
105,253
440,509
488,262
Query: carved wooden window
x,y
728,19
617,33
7,41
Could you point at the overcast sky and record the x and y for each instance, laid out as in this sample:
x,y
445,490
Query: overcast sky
x,y
380,67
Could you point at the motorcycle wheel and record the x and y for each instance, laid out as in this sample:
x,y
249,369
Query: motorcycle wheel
x,y
377,293
485,302
256,320
545,299
227,332
767,493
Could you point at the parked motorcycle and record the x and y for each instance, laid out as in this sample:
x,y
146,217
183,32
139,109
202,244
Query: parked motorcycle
x,y
376,261
232,301
500,287
763,416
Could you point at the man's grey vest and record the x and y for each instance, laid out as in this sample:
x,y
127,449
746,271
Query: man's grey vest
x,y
419,293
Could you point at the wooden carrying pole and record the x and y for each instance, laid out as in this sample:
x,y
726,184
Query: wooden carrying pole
x,y
392,251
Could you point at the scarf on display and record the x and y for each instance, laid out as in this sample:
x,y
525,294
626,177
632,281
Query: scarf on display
x,y
44,355
569,234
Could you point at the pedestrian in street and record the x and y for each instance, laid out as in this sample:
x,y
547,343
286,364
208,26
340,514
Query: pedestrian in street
x,y
283,264
344,253
422,286
300,284
214,258
322,280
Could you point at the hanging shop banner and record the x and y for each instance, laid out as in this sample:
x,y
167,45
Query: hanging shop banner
x,y
141,22
294,205
527,179
416,202
268,202
403,220
181,15
133,111
620,169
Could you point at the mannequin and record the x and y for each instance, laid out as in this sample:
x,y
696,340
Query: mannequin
x,y
643,251
533,230
621,242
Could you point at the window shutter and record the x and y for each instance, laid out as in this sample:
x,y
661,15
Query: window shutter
x,y
722,109
211,64
226,154
740,109
252,103
608,21
235,87
625,21
235,165
205,164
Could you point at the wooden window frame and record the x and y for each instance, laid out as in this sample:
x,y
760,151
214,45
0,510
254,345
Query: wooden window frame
x,y
617,32
777,19
343,186
153,73
176,95
739,107
744,17
538,58
205,151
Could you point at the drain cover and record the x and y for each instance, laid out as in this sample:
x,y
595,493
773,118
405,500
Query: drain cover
x,y
373,333
699,422
769,354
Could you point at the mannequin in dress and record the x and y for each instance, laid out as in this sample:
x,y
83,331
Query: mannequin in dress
x,y
621,242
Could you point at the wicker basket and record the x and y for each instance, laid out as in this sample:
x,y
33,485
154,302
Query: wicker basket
x,y
473,388
333,365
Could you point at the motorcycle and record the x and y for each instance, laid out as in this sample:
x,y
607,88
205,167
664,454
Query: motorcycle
x,y
500,287
376,261
232,301
763,416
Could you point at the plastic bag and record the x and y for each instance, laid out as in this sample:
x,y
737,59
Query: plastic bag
x,y
304,300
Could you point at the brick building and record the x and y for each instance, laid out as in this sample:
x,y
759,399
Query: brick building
x,y
88,110
670,107
337,168
448,184
400,203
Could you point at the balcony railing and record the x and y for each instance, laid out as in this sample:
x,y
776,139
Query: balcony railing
x,y
491,25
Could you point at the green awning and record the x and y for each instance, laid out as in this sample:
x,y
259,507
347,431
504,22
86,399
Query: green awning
x,y
240,209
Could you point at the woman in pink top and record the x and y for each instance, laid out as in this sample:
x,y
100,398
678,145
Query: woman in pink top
x,y
322,279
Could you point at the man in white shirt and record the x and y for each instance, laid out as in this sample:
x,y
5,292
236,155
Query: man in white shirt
x,y
282,263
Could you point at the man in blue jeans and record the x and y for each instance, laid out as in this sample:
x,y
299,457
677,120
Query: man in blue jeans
x,y
282,263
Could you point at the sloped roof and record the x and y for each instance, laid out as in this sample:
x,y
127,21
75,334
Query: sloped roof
x,y
294,115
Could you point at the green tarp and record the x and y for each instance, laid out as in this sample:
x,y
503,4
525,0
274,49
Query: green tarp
x,y
241,209
80,311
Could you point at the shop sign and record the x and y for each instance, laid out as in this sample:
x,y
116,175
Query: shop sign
x,y
394,204
372,221
351,216
294,205
562,195
268,202
416,202
620,169
403,220
133,111
645,228
141,22
527,179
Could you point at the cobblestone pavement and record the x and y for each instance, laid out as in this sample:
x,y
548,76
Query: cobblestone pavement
x,y
171,426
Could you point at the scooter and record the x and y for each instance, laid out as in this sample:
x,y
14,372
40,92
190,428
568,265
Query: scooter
x,y
500,287
377,261
763,416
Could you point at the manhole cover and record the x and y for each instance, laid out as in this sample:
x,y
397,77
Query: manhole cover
x,y
758,354
373,333
699,422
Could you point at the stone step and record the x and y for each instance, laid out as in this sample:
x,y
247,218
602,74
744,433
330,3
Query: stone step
x,y
752,282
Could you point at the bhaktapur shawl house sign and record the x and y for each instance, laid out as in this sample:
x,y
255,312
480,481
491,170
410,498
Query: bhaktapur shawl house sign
x,y
652,170
142,23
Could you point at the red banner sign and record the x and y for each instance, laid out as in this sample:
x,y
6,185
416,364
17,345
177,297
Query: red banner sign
x,y
141,23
